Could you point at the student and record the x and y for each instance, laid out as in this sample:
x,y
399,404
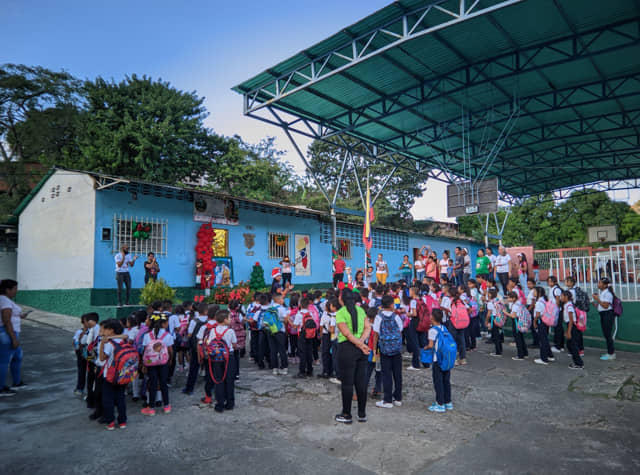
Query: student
x,y
219,374
474,325
450,270
441,379
517,307
387,336
419,266
569,313
570,283
252,311
459,334
325,326
558,333
493,306
94,398
286,271
374,357
531,304
294,303
81,362
263,338
237,320
415,340
305,339
604,303
542,329
196,323
335,306
112,394
278,340
182,338
155,343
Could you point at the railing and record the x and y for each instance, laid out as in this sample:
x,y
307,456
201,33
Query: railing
x,y
620,264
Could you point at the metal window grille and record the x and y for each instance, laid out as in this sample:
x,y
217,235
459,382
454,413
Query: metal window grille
x,y
279,245
620,264
123,233
344,248
382,239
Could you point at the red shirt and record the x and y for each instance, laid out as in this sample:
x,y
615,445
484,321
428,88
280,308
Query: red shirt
x,y
339,265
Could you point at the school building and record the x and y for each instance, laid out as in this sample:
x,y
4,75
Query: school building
x,y
73,223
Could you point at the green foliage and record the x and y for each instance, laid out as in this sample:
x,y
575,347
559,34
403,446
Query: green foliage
x,y
541,223
256,281
156,290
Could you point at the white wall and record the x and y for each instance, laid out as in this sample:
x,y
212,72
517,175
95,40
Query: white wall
x,y
56,234
8,264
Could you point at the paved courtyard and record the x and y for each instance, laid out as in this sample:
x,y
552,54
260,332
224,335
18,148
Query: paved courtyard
x,y
510,417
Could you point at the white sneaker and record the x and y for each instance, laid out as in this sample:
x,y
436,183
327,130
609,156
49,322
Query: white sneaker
x,y
335,381
284,371
275,371
551,358
555,350
397,403
384,405
539,361
411,368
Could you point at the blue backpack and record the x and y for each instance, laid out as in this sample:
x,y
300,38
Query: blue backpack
x,y
271,320
447,349
390,340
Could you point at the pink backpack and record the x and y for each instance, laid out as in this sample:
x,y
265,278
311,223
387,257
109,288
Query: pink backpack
x,y
550,314
156,352
459,315
581,319
431,303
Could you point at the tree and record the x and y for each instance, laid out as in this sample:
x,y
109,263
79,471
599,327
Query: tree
x,y
142,128
395,202
256,280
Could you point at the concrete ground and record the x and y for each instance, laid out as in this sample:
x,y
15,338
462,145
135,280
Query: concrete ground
x,y
509,417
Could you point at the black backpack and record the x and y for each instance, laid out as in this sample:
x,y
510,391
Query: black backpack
x,y
193,341
582,300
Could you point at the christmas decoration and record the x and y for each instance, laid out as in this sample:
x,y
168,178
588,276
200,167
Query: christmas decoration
x,y
204,256
344,246
256,281
140,230
281,240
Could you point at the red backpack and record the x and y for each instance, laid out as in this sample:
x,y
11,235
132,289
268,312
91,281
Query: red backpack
x,y
309,328
124,368
424,316
459,315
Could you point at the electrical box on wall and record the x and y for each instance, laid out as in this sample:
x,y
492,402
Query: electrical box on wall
x,y
106,234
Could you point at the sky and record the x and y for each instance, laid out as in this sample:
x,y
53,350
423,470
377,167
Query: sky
x,y
202,46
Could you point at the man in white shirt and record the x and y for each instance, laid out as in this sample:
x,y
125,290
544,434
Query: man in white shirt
x,y
502,267
123,262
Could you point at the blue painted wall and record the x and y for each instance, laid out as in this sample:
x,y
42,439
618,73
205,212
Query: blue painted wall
x,y
178,267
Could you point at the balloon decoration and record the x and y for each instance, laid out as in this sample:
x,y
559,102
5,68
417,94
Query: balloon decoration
x,y
140,230
204,252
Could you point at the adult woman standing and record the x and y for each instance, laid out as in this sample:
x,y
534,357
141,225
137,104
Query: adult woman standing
x,y
431,269
151,268
10,351
406,269
286,270
523,270
483,263
444,263
382,270
352,356
419,267
604,304
503,264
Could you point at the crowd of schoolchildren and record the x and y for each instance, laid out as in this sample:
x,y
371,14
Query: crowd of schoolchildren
x,y
439,323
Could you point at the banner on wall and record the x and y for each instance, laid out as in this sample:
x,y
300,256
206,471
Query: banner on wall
x,y
303,259
209,209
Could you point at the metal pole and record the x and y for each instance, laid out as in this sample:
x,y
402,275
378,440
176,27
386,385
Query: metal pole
x,y
486,232
334,230
306,163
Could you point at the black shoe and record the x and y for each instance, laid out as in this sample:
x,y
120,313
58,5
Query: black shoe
x,y
323,376
94,416
219,408
158,403
228,407
5,392
102,420
344,419
534,346
136,398
20,385
362,418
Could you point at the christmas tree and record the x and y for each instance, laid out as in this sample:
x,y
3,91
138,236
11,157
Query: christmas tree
x,y
256,281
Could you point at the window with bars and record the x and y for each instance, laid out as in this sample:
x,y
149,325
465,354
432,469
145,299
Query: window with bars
x,y
142,235
278,245
382,239
344,248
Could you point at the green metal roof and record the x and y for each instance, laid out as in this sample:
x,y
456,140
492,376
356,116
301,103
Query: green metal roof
x,y
416,77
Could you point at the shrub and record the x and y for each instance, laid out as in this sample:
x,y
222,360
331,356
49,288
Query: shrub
x,y
156,290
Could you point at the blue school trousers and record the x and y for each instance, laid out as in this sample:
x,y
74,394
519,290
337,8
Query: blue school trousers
x,y
371,368
113,395
459,335
442,384
392,368
543,337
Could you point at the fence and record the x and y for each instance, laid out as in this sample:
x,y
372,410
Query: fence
x,y
620,264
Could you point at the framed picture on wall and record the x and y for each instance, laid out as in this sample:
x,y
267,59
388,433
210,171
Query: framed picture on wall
x,y
223,271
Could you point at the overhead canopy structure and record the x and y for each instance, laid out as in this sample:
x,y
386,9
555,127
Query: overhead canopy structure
x,y
442,86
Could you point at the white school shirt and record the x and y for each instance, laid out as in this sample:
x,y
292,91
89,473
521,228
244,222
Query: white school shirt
x,y
413,306
606,296
539,308
203,328
283,312
297,321
192,323
76,337
445,304
229,336
568,307
418,265
125,264
16,312
464,299
325,322
530,297
381,267
444,263
133,333
491,308
517,307
502,263
167,340
433,336
378,321
174,322
336,332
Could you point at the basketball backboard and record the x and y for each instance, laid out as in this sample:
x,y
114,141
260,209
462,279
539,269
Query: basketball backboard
x,y
603,234
463,199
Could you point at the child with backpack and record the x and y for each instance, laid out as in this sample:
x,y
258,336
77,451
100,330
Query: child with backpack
x,y
522,322
196,323
156,357
415,339
182,338
81,363
458,323
237,319
306,325
440,342
571,334
473,332
252,311
120,360
495,320
373,364
558,332
581,303
542,308
609,307
277,336
387,336
218,360
325,350
89,352
294,302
